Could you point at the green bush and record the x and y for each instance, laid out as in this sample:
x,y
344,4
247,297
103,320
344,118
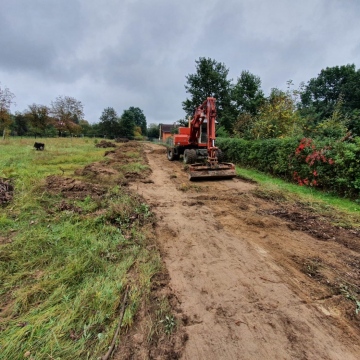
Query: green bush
x,y
327,164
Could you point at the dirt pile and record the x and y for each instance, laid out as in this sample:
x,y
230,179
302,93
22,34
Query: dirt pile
x,y
312,224
6,191
132,146
72,188
121,140
98,169
101,173
105,144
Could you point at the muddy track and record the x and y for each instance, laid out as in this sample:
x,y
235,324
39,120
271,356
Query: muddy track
x,y
249,284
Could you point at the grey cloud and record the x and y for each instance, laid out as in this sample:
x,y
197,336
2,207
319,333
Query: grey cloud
x,y
37,33
124,53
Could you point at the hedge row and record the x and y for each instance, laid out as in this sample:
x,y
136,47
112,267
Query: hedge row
x,y
330,165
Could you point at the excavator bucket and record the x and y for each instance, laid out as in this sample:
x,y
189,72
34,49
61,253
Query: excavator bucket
x,y
207,172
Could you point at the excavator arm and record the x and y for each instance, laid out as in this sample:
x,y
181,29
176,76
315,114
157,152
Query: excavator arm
x,y
206,111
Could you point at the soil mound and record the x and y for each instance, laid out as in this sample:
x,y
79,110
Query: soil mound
x,y
159,151
97,169
72,188
132,146
6,191
320,229
105,144
102,173
121,140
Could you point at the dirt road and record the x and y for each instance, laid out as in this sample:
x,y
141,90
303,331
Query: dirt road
x,y
251,284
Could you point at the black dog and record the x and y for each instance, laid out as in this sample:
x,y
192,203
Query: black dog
x,y
39,146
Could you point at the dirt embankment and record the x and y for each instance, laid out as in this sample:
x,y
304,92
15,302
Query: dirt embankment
x,y
254,279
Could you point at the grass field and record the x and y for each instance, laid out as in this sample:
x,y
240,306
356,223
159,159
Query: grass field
x,y
65,261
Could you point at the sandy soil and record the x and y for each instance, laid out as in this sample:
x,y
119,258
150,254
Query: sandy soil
x,y
252,278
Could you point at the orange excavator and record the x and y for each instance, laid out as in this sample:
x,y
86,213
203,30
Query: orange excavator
x,y
197,142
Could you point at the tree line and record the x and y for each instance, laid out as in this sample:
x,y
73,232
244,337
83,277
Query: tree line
x,y
131,124
64,117
326,106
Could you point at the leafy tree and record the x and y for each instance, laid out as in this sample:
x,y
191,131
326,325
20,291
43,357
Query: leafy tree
x,y
210,79
354,122
183,122
335,127
321,94
20,125
221,132
139,118
248,98
95,131
71,127
127,124
247,94
38,118
6,100
153,131
244,125
277,117
50,130
85,127
109,125
67,112
137,131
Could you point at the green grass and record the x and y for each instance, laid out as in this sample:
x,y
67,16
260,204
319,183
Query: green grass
x,y
322,201
64,273
19,159
134,167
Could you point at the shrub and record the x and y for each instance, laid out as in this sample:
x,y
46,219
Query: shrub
x,y
328,164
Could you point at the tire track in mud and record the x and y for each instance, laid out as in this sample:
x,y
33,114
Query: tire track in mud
x,y
237,301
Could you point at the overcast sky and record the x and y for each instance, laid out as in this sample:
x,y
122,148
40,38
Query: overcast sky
x,y
122,53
